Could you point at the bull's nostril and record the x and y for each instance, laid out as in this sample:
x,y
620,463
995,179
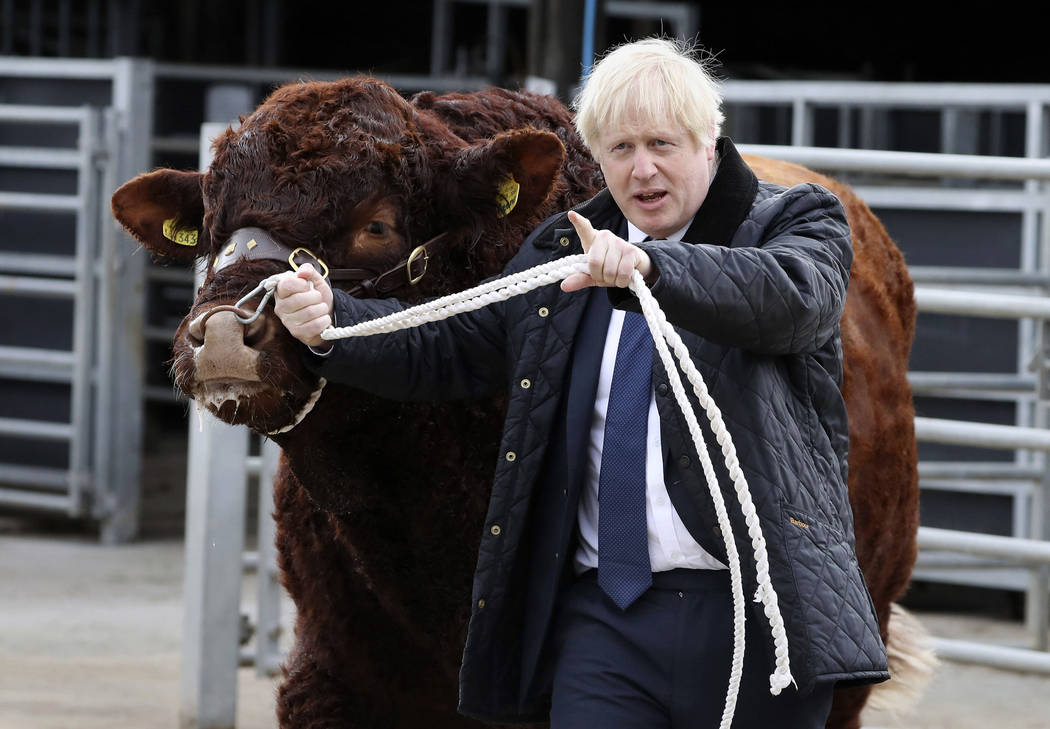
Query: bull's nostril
x,y
256,332
195,331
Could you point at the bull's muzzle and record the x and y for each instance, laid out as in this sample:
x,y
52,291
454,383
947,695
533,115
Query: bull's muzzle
x,y
222,347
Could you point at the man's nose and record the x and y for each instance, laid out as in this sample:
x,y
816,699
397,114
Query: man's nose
x,y
643,165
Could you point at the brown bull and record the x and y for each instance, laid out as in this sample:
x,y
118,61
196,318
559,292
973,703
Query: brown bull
x,y
380,504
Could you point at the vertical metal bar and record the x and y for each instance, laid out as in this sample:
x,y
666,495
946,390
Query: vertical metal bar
x,y
494,45
216,494
83,309
590,11
268,630
215,503
845,127
1037,599
949,129
801,123
439,37
102,363
121,382
1034,257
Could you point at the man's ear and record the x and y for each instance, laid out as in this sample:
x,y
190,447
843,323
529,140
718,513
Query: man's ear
x,y
164,210
510,176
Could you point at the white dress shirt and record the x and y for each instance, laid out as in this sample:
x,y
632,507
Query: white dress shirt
x,y
670,544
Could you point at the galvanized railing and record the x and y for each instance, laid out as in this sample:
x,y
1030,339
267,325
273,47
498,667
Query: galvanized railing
x,y
68,277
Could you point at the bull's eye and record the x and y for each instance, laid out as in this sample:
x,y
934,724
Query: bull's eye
x,y
376,227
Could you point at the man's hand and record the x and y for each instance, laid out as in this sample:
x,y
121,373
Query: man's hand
x,y
303,303
610,258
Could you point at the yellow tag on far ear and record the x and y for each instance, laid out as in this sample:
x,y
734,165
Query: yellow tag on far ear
x,y
508,195
182,236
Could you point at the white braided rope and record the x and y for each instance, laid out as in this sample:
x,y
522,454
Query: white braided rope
x,y
664,335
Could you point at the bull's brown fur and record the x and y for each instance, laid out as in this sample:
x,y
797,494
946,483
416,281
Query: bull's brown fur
x,y
380,504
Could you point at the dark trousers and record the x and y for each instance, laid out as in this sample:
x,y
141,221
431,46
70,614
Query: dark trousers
x,y
664,662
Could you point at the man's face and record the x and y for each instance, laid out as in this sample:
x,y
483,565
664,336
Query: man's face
x,y
658,175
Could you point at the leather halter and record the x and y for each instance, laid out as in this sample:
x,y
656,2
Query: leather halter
x,y
257,244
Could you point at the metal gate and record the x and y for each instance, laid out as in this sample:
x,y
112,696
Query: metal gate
x,y
70,296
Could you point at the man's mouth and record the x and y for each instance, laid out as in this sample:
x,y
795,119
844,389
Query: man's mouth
x,y
648,197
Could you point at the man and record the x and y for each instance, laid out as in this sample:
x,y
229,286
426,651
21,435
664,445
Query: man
x,y
601,591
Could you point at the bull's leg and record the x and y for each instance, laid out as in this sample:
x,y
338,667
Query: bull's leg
x,y
353,664
312,698
846,707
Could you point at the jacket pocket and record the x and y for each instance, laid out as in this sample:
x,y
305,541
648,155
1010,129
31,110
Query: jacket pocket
x,y
833,607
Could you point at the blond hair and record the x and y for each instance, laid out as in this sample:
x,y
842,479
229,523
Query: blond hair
x,y
650,82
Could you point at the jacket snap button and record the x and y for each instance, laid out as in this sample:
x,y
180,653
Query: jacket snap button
x,y
511,455
525,384
564,240
481,603
495,530
684,461
543,311
662,389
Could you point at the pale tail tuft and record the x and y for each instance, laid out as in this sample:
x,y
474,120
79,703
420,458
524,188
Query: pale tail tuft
x,y
912,664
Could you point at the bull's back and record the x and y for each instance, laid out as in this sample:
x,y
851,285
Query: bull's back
x,y
878,265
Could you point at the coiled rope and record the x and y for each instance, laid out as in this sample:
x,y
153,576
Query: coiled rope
x,y
665,339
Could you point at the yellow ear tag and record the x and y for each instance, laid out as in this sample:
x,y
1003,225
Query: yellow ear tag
x,y
182,236
508,195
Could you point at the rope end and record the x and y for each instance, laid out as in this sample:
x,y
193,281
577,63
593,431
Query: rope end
x,y
778,681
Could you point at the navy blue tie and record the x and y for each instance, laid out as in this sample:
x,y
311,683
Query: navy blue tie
x,y
624,571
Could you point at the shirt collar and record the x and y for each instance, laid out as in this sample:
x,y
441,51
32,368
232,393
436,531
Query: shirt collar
x,y
636,235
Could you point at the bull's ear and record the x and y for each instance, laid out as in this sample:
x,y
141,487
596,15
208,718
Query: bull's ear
x,y
511,175
164,210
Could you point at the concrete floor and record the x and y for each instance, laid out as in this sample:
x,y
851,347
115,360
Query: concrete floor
x,y
89,639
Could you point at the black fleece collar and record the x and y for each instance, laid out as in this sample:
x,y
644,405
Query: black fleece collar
x,y
728,201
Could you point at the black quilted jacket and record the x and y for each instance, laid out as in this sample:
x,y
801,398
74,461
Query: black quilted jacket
x,y
757,294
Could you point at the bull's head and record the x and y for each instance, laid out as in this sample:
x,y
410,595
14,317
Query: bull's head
x,y
345,173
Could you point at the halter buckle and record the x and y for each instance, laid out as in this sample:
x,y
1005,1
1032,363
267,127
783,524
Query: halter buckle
x,y
417,252
307,252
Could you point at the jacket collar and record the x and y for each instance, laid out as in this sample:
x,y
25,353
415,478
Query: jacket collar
x,y
728,201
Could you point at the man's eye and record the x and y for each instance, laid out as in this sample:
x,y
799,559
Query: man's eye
x,y
376,227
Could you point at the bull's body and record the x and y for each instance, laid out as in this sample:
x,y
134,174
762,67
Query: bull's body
x,y
380,504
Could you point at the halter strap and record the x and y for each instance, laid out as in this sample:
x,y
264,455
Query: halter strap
x,y
257,244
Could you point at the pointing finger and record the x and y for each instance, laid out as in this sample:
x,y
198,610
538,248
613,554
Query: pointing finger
x,y
583,228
